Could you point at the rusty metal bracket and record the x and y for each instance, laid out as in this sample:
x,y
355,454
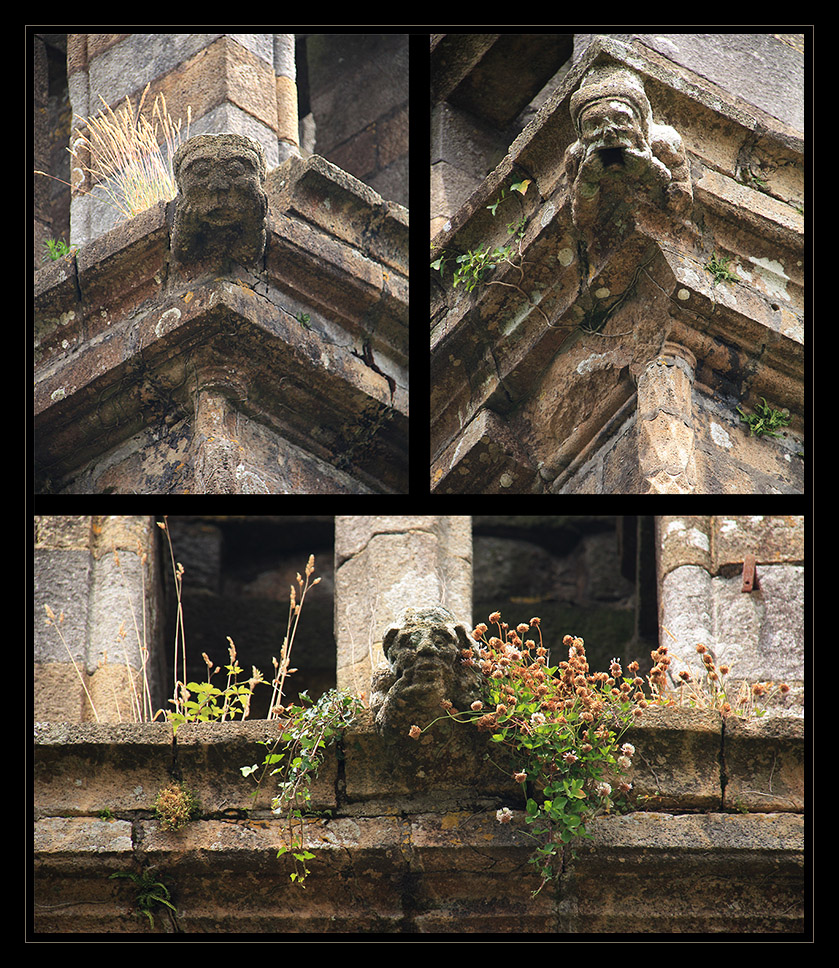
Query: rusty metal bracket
x,y
750,579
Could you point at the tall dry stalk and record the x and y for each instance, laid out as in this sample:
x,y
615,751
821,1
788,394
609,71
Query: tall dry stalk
x,y
128,155
281,666
179,694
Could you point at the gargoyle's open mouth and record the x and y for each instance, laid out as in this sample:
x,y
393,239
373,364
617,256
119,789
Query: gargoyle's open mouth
x,y
610,157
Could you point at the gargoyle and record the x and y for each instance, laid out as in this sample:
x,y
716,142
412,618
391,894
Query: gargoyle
x,y
425,652
622,160
221,207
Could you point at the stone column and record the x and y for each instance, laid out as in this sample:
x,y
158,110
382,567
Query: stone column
x,y
288,130
758,634
665,423
219,459
101,572
384,564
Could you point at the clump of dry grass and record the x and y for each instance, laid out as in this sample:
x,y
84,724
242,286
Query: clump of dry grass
x,y
128,155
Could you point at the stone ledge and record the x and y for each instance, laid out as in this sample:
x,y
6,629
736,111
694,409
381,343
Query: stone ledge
x,y
426,873
686,760
410,842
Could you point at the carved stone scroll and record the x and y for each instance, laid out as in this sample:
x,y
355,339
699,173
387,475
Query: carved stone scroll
x,y
622,161
666,445
425,651
221,208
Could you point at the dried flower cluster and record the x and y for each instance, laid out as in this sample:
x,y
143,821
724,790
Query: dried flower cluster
x,y
708,689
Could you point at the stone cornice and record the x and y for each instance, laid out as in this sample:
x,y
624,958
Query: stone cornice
x,y
316,334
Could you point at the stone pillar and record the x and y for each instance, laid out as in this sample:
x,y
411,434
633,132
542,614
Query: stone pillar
x,y
665,423
101,572
227,82
384,564
288,130
759,634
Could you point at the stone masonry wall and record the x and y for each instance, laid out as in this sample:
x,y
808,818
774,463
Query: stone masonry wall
x,y
404,836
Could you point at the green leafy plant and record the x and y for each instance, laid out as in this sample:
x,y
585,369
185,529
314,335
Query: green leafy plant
x,y
765,419
175,806
152,893
295,758
720,269
202,702
56,249
472,266
559,725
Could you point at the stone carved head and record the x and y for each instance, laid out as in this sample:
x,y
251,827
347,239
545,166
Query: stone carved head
x,y
621,156
424,651
221,206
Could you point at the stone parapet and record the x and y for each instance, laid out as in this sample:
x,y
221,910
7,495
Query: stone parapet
x,y
409,841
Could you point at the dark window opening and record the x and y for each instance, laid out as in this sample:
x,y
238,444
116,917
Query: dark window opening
x,y
238,571
592,576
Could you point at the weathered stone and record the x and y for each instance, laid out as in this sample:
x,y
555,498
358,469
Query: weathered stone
x,y
221,206
636,226
123,366
417,851
622,159
425,651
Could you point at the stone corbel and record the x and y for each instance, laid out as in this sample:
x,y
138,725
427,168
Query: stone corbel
x,y
623,169
221,208
217,455
424,650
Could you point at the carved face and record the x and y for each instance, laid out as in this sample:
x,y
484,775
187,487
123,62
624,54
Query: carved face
x,y
221,186
221,208
610,127
424,655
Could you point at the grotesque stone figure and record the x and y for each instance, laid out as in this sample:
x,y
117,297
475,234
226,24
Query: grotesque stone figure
x,y
221,206
622,160
425,651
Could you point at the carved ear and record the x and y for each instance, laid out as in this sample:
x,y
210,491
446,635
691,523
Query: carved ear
x,y
464,637
390,637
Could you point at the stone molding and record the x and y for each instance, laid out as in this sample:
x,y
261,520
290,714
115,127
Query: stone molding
x,y
314,330
414,845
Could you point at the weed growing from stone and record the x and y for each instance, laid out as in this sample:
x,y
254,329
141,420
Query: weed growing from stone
x,y
152,893
765,419
56,249
175,806
472,266
560,725
720,269
128,156
307,730
707,689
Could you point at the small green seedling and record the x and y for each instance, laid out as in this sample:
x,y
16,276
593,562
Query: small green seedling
x,y
720,269
765,419
151,892
56,249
